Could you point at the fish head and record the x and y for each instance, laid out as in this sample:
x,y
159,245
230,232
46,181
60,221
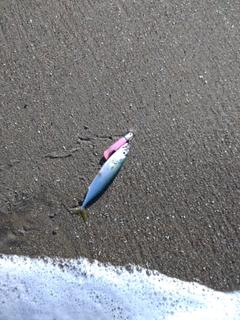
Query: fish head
x,y
121,153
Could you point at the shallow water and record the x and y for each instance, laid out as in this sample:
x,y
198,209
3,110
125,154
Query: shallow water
x,y
43,288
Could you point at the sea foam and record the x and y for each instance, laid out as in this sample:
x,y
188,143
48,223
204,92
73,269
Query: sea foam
x,y
42,288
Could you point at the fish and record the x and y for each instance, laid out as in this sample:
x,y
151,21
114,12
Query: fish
x,y
104,177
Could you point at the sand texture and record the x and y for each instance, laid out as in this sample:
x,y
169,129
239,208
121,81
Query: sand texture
x,y
74,77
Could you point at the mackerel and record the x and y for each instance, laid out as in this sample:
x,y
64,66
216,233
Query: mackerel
x,y
104,177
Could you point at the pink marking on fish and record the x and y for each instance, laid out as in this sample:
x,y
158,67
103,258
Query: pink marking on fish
x,y
127,137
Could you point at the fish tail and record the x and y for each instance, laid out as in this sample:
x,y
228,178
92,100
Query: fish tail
x,y
82,211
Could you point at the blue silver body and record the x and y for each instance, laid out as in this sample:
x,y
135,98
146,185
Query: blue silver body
x,y
106,174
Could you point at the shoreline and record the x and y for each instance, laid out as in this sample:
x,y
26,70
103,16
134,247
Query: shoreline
x,y
74,79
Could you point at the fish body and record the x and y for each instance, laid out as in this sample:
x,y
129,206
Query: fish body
x,y
106,174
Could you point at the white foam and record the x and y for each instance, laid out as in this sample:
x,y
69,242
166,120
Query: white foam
x,y
76,289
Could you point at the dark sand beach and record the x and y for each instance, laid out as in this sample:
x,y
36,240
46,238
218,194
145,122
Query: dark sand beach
x,y
77,75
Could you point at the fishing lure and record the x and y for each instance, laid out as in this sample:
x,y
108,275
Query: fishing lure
x,y
106,174
127,137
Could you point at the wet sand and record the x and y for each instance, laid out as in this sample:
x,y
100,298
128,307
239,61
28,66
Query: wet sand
x,y
77,75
